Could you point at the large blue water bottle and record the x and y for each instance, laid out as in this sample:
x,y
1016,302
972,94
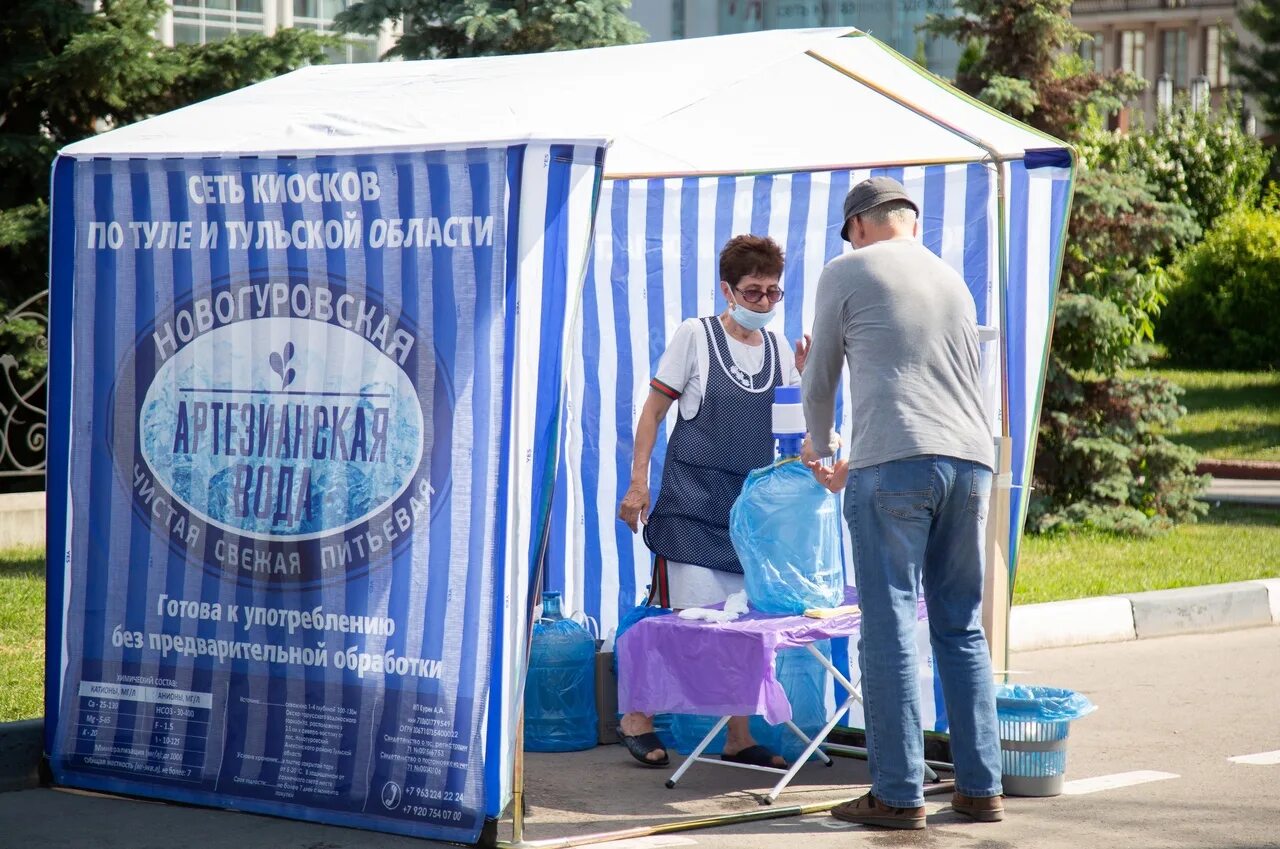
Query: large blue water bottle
x,y
560,694
785,526
807,685
688,729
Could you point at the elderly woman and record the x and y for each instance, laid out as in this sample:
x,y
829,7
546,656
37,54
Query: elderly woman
x,y
722,371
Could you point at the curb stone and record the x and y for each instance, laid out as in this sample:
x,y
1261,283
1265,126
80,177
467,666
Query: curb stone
x,y
1239,469
1160,613
21,748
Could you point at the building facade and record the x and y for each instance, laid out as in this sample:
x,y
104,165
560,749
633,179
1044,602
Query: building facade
x,y
1176,46
204,21
892,21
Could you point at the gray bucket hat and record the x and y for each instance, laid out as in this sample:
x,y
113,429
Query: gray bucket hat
x,y
871,193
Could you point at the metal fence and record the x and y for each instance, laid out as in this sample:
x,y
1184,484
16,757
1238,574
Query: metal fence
x,y
23,401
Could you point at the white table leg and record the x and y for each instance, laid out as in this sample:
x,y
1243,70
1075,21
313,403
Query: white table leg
x,y
697,752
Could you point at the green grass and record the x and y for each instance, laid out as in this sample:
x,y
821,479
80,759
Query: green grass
x,y
1234,543
1231,415
21,634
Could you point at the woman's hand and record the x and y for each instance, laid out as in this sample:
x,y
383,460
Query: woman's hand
x,y
635,506
802,351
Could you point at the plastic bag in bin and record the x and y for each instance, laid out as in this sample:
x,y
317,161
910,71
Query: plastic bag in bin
x,y
785,527
1041,704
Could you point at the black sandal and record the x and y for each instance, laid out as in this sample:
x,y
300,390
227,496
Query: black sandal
x,y
756,755
640,745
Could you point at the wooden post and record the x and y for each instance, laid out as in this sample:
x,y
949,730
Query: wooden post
x,y
995,588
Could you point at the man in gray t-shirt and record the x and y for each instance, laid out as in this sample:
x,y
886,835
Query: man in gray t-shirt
x,y
918,484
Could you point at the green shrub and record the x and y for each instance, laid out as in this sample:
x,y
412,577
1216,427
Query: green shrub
x,y
1224,310
1102,460
1202,159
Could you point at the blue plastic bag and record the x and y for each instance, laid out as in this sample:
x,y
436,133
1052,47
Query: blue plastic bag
x,y
785,527
1041,704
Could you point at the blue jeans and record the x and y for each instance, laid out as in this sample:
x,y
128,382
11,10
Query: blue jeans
x,y
923,518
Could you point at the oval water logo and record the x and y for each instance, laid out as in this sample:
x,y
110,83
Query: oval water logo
x,y
282,428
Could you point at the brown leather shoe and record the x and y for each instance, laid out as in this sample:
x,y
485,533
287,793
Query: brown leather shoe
x,y
867,810
979,808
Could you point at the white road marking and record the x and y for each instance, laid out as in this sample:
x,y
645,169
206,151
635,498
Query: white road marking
x,y
1260,759
1114,782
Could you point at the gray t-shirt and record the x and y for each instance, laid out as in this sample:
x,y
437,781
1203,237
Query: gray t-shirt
x,y
906,324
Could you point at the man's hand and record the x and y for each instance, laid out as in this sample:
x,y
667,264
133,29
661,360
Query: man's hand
x,y
802,352
635,506
807,454
832,477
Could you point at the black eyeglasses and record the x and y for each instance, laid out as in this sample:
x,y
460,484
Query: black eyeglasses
x,y
753,296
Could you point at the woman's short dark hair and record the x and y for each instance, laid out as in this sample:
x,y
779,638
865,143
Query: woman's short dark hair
x,y
757,256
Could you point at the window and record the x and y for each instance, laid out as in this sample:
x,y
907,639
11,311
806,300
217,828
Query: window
x,y
1091,50
319,14
203,21
1216,66
1173,56
741,16
1133,52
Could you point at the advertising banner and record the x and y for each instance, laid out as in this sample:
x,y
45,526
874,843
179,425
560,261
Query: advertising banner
x,y
282,474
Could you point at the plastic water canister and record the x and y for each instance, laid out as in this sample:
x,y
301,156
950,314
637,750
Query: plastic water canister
x,y
689,729
560,694
808,688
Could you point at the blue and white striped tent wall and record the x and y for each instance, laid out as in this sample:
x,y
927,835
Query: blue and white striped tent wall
x,y
1037,209
556,203
654,264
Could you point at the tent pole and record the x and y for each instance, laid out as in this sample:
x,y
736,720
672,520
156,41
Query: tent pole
x,y
764,813
996,588
517,797
996,592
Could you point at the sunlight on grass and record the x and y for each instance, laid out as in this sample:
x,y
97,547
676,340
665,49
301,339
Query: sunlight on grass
x,y
21,634
1234,543
1231,415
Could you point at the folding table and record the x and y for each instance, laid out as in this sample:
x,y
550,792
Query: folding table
x,y
668,664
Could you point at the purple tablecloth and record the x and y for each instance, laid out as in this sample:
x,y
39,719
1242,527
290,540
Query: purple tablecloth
x,y
671,665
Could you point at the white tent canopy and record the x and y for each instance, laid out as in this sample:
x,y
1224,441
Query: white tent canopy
x,y
772,101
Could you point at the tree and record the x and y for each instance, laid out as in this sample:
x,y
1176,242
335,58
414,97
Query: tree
x,y
1019,57
1102,460
445,29
66,74
1258,65
1200,158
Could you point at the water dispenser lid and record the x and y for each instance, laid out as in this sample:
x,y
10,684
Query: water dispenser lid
x,y
786,395
788,412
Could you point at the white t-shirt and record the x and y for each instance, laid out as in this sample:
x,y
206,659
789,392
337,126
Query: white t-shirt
x,y
685,363
683,368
